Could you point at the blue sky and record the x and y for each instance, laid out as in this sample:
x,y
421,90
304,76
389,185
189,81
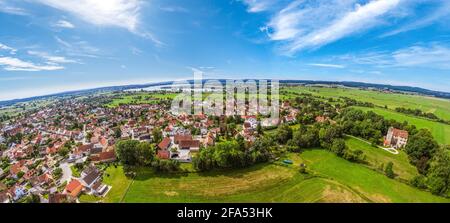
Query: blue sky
x,y
49,46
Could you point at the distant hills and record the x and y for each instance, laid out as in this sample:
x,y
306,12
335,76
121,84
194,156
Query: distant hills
x,y
407,89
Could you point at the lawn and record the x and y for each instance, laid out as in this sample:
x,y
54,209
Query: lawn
x,y
440,131
377,157
115,177
440,107
370,184
331,179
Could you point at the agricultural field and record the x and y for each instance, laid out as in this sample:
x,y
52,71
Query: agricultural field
x,y
440,107
331,179
440,131
140,98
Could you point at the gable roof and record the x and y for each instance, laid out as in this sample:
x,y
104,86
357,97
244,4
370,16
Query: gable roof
x,y
164,144
189,143
179,137
400,133
74,188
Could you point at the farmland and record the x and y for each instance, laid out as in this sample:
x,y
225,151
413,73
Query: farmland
x,y
440,107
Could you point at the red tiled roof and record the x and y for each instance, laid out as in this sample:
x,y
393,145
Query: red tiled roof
x,y
189,143
400,133
163,154
164,144
179,138
74,188
104,156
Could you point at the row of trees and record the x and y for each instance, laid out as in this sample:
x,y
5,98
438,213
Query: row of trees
x,y
139,154
233,154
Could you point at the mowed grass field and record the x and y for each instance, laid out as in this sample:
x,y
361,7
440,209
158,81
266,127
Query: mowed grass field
x,y
331,179
440,131
140,98
440,107
378,158
368,183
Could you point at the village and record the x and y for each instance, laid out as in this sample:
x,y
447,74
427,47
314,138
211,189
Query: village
x,y
60,151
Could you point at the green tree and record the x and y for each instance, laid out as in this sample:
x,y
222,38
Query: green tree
x,y
420,149
157,135
389,170
439,173
284,133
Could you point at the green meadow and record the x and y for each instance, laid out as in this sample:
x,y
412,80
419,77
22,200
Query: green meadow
x,y
329,179
440,107
440,131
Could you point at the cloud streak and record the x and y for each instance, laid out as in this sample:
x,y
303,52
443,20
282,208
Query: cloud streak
x,y
434,56
64,24
112,13
312,24
327,65
15,64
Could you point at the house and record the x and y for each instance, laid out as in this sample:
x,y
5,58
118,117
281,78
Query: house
x,y
57,198
99,189
74,188
163,154
396,138
165,143
177,138
192,145
90,176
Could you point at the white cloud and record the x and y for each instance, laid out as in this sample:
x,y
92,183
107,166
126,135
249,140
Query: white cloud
x,y
9,9
255,6
173,9
327,65
78,48
312,24
15,64
64,24
441,13
7,48
435,56
113,13
51,59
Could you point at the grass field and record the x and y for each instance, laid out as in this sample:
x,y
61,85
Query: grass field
x,y
332,180
377,157
440,131
140,98
370,184
440,107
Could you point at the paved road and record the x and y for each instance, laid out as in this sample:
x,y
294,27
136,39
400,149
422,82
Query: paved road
x,y
67,172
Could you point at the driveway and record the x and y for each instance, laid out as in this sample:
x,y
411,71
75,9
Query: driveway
x,y
67,172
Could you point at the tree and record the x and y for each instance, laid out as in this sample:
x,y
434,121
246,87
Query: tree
x,y
284,133
439,173
389,170
156,135
420,149
259,129
135,153
126,151
338,147
57,173
63,151
117,133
